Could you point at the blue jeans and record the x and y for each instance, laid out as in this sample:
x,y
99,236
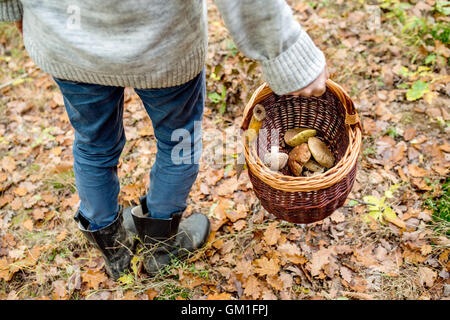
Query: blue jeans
x,y
96,112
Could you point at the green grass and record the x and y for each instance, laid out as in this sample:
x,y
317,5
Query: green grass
x,y
439,203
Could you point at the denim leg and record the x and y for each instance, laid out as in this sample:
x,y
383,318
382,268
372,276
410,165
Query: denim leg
x,y
95,112
176,115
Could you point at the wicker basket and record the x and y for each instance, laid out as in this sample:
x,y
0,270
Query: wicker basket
x,y
304,199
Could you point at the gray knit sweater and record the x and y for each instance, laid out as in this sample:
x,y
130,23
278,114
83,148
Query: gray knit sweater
x,y
160,43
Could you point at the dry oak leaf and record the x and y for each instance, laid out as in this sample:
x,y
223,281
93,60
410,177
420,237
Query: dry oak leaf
x,y
20,191
416,171
93,278
291,252
267,267
16,204
60,237
5,272
272,234
426,276
129,295
268,295
7,198
337,217
219,296
244,267
213,176
235,215
409,133
7,269
239,225
346,274
275,282
59,290
252,287
8,163
319,260
28,224
151,294
399,152
220,214
227,187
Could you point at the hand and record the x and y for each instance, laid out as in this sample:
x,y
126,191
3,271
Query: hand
x,y
315,88
19,26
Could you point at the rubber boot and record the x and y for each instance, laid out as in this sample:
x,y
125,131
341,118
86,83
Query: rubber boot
x,y
113,243
165,239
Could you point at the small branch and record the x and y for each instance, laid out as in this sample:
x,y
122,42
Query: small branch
x,y
357,295
7,84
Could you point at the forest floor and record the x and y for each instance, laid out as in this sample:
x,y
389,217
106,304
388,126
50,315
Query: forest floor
x,y
390,56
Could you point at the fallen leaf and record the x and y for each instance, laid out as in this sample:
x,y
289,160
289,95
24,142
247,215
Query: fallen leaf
x,y
235,215
426,276
227,187
252,287
268,267
337,216
5,272
244,267
272,234
219,296
151,294
60,237
20,191
416,171
59,289
291,252
28,224
240,225
39,213
8,163
93,278
346,274
129,295
409,134
16,204
319,260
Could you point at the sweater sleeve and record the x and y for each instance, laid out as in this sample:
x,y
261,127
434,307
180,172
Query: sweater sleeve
x,y
265,30
10,10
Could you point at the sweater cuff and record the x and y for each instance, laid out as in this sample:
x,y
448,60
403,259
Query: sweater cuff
x,y
294,68
10,10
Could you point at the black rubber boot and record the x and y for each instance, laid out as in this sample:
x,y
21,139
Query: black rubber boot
x,y
113,243
165,239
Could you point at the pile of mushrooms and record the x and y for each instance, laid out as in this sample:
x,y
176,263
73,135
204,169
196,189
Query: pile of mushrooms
x,y
309,154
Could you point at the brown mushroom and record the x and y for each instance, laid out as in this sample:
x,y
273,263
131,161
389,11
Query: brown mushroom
x,y
297,159
320,152
259,112
297,136
275,160
313,166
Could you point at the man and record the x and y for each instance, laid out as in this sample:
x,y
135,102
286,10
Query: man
x,y
94,48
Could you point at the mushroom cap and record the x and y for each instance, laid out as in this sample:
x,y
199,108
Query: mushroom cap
x,y
275,160
288,135
297,136
313,166
320,152
298,157
259,112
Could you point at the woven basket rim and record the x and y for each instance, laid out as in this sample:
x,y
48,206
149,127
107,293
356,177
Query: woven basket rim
x,y
324,180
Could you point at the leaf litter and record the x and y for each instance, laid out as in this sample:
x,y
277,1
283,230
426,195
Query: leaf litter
x,y
385,243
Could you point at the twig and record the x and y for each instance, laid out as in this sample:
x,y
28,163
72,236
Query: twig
x,y
7,84
357,295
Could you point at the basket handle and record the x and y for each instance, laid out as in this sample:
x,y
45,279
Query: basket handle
x,y
351,116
